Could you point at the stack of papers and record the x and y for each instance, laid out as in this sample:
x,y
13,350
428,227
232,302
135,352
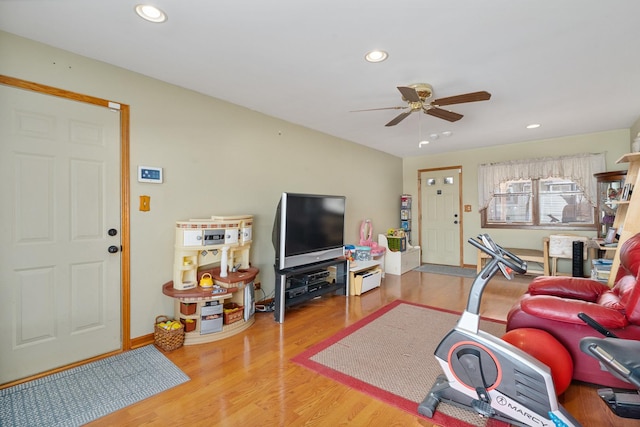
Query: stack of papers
x,y
601,269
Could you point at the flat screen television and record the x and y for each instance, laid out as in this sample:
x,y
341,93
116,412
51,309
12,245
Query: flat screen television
x,y
308,228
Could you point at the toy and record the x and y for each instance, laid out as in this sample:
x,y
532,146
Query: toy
x,y
366,232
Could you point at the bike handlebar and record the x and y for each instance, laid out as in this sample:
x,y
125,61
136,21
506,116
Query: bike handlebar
x,y
503,256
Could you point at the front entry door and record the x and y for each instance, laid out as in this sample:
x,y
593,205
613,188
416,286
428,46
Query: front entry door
x,y
60,232
440,225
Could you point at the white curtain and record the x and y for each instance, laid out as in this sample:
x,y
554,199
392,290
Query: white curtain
x,y
577,168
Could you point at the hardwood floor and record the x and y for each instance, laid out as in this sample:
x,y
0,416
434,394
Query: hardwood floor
x,y
249,380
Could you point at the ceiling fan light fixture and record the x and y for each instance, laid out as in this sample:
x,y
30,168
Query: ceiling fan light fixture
x,y
150,13
376,56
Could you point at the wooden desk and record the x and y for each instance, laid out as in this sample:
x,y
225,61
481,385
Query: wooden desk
x,y
596,246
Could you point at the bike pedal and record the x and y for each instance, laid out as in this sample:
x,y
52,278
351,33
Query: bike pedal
x,y
482,408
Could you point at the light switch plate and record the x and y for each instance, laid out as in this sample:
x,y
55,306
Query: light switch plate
x,y
145,203
150,174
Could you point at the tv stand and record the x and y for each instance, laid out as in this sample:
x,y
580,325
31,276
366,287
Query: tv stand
x,y
300,284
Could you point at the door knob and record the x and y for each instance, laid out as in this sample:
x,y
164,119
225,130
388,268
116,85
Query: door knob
x,y
113,249
455,222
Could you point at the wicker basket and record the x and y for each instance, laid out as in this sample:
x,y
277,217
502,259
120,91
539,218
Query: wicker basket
x,y
168,340
397,244
232,312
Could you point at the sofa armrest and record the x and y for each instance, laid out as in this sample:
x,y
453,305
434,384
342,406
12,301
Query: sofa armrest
x,y
568,287
566,310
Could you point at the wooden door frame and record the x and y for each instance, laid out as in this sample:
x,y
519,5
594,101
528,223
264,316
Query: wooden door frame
x,y
460,207
125,292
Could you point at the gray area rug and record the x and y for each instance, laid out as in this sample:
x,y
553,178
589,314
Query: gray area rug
x,y
390,356
85,393
447,269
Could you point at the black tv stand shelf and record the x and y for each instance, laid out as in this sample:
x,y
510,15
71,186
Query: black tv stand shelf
x,y
297,285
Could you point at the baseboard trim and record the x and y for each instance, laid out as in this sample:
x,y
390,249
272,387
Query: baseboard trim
x,y
141,341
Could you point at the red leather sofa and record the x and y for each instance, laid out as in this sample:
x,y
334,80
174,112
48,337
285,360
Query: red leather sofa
x,y
553,303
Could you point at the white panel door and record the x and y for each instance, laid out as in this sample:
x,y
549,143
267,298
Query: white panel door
x,y
60,190
440,224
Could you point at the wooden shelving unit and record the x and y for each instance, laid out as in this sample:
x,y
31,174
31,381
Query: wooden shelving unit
x,y
405,216
628,211
610,186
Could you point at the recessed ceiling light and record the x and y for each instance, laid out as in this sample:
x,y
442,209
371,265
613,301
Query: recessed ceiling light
x,y
533,126
150,13
425,142
376,56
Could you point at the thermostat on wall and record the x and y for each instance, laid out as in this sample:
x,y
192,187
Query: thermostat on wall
x,y
149,174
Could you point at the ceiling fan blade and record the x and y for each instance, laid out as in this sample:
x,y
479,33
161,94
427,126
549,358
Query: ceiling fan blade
x,y
443,114
459,99
409,93
376,109
399,118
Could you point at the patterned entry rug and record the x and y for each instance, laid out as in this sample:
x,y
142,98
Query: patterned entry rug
x,y
389,356
85,393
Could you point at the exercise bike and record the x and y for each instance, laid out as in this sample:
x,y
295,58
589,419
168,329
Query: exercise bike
x,y
486,374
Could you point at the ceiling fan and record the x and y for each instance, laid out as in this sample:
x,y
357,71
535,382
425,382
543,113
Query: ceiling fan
x,y
416,96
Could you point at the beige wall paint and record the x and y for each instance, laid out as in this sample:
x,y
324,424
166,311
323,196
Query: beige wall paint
x,y
223,159
218,159
613,143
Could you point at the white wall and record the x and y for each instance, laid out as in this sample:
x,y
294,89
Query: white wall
x,y
218,159
613,143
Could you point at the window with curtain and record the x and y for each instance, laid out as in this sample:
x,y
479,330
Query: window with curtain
x,y
559,192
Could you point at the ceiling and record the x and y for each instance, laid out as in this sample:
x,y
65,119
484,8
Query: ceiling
x,y
573,65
